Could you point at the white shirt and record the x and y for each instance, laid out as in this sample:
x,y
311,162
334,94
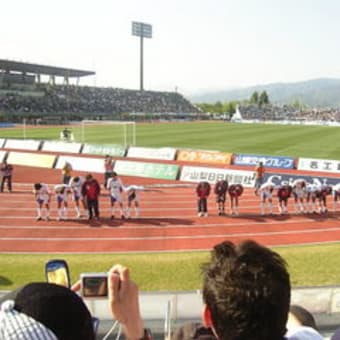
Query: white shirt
x,y
43,194
115,186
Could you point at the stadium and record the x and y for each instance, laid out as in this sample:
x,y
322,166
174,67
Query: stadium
x,y
166,145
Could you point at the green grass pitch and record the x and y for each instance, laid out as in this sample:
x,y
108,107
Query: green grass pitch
x,y
277,140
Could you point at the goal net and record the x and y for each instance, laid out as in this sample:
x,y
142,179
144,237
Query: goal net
x,y
108,131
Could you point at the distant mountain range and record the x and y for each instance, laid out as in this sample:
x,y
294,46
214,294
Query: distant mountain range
x,y
323,92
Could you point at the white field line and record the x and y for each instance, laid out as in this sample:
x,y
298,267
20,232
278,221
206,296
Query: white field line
x,y
186,250
229,223
153,238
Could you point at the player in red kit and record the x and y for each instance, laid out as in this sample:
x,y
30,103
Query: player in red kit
x,y
234,191
203,191
220,190
284,191
91,191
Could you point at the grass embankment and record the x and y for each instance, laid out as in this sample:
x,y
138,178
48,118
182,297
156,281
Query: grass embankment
x,y
308,266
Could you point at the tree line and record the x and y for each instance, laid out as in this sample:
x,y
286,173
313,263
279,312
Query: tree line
x,y
230,107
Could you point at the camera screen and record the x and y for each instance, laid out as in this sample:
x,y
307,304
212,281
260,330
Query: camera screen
x,y
57,273
94,286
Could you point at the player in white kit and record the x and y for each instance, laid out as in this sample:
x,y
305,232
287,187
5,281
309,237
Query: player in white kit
x,y
42,196
132,192
300,195
336,195
115,187
61,194
75,185
266,196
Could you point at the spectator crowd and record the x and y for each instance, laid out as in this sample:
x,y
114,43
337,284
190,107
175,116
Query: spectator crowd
x,y
271,112
80,101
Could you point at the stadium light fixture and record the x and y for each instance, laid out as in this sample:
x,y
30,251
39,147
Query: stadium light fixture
x,y
141,30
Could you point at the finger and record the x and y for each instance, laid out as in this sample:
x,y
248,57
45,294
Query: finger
x,y
113,285
76,286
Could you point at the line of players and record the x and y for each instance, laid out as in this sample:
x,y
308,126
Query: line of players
x,y
75,188
221,189
308,198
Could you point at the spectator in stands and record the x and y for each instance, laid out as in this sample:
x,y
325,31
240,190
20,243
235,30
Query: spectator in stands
x,y
6,175
259,176
108,169
203,192
66,172
246,292
44,311
91,191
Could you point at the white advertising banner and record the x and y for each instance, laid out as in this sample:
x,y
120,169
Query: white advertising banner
x,y
82,163
152,153
61,147
2,142
323,165
212,175
31,159
2,156
22,144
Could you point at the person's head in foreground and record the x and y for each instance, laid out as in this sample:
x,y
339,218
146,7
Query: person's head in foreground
x,y
44,311
246,291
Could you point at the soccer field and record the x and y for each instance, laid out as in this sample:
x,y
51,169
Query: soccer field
x,y
281,140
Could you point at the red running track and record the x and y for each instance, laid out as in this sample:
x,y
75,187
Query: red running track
x,y
168,222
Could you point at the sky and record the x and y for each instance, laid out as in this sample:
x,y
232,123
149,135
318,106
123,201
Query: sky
x,y
197,45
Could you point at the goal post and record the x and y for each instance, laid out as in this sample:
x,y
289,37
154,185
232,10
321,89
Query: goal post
x,y
127,130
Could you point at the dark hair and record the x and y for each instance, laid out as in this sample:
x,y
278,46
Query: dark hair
x,y
305,317
37,186
58,308
246,287
76,179
88,177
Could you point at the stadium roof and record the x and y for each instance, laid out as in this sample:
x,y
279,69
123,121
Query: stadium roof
x,y
15,66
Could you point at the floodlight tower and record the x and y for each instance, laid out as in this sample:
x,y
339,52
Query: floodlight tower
x,y
141,30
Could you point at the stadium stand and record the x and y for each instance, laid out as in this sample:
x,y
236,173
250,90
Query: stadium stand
x,y
272,112
22,95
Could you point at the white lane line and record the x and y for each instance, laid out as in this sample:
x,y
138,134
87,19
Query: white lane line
x,y
162,222
152,238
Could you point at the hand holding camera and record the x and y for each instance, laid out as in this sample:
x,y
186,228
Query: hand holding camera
x,y
116,285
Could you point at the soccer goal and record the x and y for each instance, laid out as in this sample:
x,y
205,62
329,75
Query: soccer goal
x,y
119,132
